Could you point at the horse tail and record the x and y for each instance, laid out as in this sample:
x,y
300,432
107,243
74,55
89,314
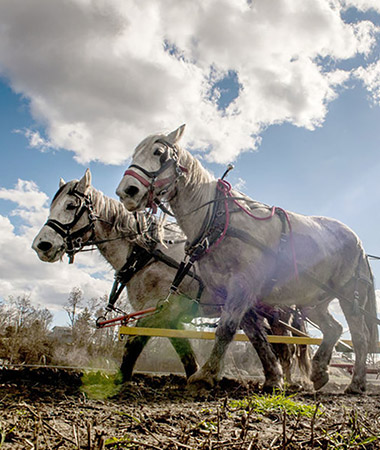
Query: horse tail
x,y
371,308
302,351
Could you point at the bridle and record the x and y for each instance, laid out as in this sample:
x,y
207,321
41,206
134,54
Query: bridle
x,y
74,240
152,183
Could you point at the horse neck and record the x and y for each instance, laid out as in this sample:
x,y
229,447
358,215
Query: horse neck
x,y
113,220
196,188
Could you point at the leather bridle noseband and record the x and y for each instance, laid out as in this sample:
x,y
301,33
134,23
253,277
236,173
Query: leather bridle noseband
x,y
74,240
153,183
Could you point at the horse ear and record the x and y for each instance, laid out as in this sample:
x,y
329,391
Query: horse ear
x,y
85,181
175,135
62,182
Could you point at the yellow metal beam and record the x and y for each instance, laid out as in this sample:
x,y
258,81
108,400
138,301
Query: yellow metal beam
x,y
192,334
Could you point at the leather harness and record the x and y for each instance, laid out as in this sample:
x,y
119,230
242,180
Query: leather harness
x,y
138,259
215,227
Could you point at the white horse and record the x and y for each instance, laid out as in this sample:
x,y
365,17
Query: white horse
x,y
249,251
79,211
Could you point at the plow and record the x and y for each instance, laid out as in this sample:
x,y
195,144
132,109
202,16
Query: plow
x,y
126,329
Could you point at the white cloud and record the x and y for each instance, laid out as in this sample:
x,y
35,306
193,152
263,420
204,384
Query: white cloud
x,y
102,75
371,80
36,140
363,5
26,194
21,272
240,185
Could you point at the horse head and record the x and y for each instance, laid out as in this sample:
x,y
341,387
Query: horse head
x,y
154,171
70,221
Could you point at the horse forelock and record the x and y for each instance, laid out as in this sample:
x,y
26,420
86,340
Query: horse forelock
x,y
147,143
63,189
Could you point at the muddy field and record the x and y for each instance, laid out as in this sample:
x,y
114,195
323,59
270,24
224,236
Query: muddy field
x,y
47,409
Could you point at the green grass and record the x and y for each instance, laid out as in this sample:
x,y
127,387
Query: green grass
x,y
269,404
3,433
100,385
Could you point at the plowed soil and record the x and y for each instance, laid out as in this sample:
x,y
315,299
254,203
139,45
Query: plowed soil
x,y
46,409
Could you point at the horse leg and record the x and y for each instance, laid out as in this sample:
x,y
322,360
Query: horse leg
x,y
285,354
360,340
171,318
236,304
135,345
185,352
208,374
132,350
238,301
254,329
331,331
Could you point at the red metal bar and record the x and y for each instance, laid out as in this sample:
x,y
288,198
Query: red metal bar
x,y
125,319
350,368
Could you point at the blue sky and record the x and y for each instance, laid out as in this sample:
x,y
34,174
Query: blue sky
x,y
307,107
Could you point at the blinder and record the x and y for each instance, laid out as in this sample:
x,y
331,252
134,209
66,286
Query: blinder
x,y
74,240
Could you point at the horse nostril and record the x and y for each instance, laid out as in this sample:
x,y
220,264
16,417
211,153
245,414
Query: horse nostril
x,y
131,191
44,246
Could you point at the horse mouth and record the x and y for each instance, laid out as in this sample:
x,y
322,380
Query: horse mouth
x,y
52,255
133,205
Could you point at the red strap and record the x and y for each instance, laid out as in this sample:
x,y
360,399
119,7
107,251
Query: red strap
x,y
145,182
138,177
225,186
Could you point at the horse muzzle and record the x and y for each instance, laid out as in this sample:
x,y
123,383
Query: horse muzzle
x,y
132,197
47,249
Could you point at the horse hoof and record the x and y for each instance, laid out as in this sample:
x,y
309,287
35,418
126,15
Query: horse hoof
x,y
271,388
294,387
197,390
352,389
320,381
200,384
199,381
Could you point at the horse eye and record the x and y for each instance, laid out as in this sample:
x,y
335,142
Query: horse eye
x,y
71,206
158,152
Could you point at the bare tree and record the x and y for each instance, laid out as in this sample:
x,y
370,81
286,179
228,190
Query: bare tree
x,y
73,304
24,324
